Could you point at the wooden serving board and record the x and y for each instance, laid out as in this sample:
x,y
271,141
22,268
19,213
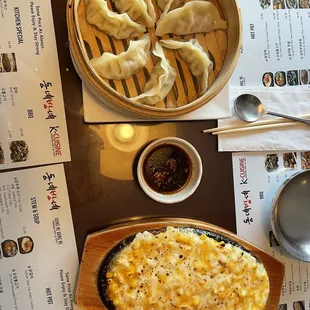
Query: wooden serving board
x,y
98,245
186,87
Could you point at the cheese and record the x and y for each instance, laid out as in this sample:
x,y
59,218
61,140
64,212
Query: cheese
x,y
178,269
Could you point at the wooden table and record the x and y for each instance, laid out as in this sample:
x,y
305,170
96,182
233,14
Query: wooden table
x,y
101,181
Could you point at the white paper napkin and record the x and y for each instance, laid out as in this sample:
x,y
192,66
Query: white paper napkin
x,y
95,111
282,101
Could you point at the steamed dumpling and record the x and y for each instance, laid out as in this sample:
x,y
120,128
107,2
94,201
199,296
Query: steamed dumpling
x,y
151,9
193,17
174,4
161,80
137,10
120,26
124,65
195,57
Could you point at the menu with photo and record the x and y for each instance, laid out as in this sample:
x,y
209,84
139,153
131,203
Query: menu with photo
x,y
276,42
33,127
257,177
38,255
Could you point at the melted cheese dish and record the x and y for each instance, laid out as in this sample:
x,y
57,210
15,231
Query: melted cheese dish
x,y
178,269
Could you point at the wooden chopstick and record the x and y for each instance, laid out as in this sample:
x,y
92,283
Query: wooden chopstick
x,y
246,129
254,124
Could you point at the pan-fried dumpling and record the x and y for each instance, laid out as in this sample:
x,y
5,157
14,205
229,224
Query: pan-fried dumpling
x,y
161,80
195,57
174,4
193,17
120,26
137,10
124,65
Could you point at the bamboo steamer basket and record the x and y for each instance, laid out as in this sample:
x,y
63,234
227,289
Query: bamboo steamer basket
x,y
87,41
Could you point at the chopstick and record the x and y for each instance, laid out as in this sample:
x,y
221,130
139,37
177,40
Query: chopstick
x,y
253,128
254,124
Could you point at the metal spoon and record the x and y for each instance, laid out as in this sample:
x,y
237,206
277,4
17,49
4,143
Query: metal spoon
x,y
250,109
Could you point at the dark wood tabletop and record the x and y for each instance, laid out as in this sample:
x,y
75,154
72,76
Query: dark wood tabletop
x,y
101,178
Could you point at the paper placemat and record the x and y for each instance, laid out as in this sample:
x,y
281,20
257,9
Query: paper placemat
x,y
33,128
278,139
38,257
275,67
256,181
275,52
96,111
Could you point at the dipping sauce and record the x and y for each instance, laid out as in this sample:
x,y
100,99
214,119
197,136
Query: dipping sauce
x,y
167,168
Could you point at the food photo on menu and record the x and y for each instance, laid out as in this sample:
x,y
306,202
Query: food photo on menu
x,y
126,102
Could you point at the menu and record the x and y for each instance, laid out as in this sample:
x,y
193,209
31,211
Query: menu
x,y
33,127
257,177
276,44
38,256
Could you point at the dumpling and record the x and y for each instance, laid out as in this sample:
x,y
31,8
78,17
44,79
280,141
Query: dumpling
x,y
151,9
195,57
193,17
124,65
169,4
161,80
174,4
137,10
120,26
